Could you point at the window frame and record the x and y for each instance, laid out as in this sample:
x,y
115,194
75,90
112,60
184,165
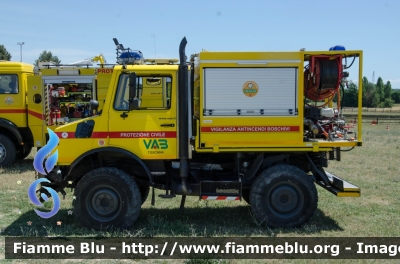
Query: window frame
x,y
13,78
121,96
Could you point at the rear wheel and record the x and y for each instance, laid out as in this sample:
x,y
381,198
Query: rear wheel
x,y
107,197
283,196
7,151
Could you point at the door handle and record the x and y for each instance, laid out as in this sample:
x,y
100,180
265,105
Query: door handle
x,y
167,125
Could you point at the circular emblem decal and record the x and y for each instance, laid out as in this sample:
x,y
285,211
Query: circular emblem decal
x,y
250,88
9,100
101,142
64,135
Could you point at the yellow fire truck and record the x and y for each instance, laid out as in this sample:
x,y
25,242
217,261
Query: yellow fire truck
x,y
257,126
33,98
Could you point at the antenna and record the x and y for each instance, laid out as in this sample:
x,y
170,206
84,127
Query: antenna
x,y
155,50
373,77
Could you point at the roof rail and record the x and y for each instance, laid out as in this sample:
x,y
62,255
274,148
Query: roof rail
x,y
161,61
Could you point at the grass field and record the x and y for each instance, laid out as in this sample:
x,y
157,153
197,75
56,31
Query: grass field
x,y
374,167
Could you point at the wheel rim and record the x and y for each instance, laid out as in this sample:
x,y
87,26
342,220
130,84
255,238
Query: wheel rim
x,y
2,152
103,203
285,199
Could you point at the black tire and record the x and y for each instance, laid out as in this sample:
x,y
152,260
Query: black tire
x,y
283,196
107,197
144,192
7,151
23,154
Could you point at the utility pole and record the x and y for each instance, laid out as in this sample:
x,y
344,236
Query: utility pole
x,y
21,43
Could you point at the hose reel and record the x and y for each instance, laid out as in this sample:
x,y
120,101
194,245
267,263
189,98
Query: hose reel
x,y
322,77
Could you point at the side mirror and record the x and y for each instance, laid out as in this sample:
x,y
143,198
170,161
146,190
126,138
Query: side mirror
x,y
133,100
134,104
94,105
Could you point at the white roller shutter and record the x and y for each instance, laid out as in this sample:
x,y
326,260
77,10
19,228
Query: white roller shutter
x,y
276,95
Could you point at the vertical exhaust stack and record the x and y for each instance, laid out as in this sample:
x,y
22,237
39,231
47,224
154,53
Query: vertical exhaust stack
x,y
183,116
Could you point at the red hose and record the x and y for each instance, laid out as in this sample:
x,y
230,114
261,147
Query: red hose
x,y
312,85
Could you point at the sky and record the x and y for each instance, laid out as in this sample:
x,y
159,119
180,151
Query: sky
x,y
75,30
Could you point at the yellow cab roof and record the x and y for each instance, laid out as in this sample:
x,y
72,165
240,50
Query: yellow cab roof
x,y
14,66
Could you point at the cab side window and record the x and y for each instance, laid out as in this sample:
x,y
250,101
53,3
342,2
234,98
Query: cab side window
x,y
8,84
121,101
155,92
152,92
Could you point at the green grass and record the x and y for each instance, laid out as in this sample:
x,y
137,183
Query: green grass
x,y
374,167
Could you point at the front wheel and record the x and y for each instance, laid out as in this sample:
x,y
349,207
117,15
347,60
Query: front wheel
x,y
7,151
283,196
107,197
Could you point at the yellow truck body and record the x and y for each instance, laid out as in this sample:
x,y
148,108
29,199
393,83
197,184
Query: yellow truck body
x,y
224,126
13,101
270,118
26,102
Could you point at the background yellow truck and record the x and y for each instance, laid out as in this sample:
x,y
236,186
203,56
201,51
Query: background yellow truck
x,y
33,98
16,139
230,125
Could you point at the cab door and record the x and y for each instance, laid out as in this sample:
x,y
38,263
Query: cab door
x,y
37,102
150,132
12,98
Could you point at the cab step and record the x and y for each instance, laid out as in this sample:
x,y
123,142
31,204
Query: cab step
x,y
220,190
340,187
167,196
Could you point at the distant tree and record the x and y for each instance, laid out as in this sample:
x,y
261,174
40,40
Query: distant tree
x,y
4,54
389,102
380,86
365,81
370,97
396,97
387,91
47,56
350,96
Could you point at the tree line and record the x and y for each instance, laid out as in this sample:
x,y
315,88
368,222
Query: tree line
x,y
44,56
373,95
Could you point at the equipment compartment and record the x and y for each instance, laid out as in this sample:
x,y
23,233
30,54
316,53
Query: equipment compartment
x,y
250,91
